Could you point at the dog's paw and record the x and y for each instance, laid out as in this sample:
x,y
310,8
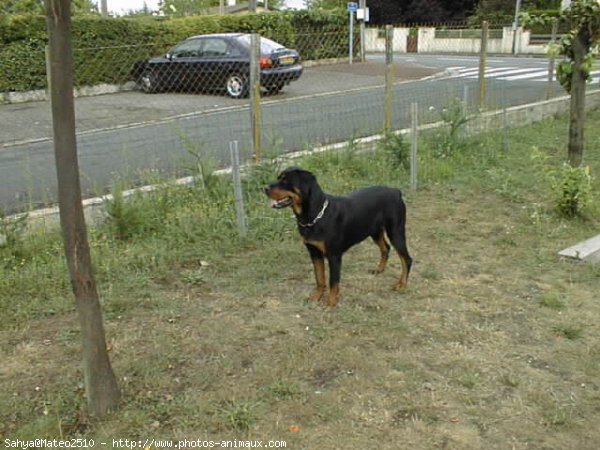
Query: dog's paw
x,y
332,302
315,295
400,286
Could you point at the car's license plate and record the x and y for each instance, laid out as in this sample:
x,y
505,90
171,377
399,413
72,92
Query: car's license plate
x,y
286,60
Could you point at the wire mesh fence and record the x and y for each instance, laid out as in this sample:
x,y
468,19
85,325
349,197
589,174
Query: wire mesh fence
x,y
167,106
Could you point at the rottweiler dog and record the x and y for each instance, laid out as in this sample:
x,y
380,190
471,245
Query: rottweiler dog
x,y
330,225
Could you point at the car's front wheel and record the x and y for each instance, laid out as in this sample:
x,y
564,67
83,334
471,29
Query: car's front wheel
x,y
236,85
148,82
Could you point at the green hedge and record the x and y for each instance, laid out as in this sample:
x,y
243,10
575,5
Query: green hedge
x,y
106,48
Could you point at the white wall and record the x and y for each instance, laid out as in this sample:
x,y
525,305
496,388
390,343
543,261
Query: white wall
x,y
427,43
377,44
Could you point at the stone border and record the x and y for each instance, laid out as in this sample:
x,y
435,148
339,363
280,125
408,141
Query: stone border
x,y
41,95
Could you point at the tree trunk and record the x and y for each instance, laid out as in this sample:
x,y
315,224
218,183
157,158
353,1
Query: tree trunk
x,y
577,116
101,386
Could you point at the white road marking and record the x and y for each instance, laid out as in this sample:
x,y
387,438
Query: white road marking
x,y
502,73
541,73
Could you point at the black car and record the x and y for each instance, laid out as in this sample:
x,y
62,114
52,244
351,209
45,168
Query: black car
x,y
218,62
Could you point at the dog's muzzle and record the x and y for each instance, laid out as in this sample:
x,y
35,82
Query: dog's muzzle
x,y
278,203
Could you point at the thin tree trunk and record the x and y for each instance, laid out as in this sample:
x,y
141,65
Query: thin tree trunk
x,y
101,386
577,116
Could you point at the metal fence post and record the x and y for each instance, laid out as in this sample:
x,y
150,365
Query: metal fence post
x,y
350,35
414,131
389,76
255,94
465,98
551,61
483,63
504,118
237,187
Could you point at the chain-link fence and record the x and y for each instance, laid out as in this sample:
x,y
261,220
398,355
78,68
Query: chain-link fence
x,y
165,107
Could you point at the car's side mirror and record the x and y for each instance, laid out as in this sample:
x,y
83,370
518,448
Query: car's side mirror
x,y
169,56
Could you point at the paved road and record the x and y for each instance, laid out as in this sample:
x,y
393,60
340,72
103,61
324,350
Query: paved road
x,y
123,134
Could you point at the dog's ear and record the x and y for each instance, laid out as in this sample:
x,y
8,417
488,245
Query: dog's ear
x,y
303,175
290,171
306,175
307,181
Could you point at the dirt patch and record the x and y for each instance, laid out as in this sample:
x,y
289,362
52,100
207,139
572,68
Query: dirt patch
x,y
402,71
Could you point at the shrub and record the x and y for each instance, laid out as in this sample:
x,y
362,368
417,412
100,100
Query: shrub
x,y
12,230
572,188
396,149
451,140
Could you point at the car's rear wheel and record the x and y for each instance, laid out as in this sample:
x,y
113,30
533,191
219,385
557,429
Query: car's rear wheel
x,y
236,85
148,82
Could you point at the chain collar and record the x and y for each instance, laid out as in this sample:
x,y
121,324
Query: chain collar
x,y
310,224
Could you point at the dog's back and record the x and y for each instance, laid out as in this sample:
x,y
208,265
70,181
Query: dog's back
x,y
368,211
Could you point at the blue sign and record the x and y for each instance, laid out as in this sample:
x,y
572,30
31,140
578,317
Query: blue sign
x,y
352,6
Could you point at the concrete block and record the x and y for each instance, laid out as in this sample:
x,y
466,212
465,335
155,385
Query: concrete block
x,y
587,251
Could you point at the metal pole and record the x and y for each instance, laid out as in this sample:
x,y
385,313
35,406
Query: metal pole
x,y
414,130
389,76
482,63
255,94
351,36
465,107
551,61
465,99
504,118
237,187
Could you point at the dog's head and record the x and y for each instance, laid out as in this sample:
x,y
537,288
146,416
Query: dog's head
x,y
292,188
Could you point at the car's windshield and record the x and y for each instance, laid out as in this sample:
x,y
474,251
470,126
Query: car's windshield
x,y
266,44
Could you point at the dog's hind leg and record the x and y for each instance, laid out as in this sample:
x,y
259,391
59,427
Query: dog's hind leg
x,y
335,267
384,248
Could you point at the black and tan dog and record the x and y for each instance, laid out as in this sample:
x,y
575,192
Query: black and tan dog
x,y
330,225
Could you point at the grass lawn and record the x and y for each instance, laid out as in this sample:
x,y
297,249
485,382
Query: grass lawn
x,y
494,344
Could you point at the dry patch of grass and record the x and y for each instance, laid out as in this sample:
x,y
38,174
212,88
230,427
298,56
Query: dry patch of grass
x,y
493,345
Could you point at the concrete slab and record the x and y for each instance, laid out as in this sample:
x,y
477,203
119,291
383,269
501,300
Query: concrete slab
x,y
587,251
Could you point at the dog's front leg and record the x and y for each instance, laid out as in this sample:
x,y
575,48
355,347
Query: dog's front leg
x,y
318,261
335,267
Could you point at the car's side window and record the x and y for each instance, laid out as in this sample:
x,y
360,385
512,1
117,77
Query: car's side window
x,y
187,49
214,47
